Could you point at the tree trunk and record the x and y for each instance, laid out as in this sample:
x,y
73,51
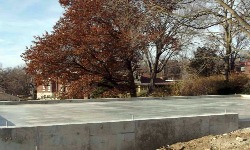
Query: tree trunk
x,y
232,63
228,42
151,85
154,69
132,86
226,68
153,74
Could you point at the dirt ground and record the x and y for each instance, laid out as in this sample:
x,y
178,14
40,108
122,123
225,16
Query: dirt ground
x,y
236,140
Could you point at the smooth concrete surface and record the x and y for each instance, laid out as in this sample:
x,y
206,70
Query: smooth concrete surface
x,y
26,115
124,135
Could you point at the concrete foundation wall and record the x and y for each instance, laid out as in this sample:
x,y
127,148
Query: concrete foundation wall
x,y
124,135
244,123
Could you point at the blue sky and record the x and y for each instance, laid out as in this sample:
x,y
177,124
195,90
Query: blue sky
x,y
20,21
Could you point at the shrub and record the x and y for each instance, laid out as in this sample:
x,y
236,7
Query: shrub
x,y
161,91
246,88
213,85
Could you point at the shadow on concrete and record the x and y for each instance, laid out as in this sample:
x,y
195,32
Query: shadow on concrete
x,y
3,122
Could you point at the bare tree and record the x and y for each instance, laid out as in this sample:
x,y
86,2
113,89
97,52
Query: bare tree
x,y
241,15
228,38
15,81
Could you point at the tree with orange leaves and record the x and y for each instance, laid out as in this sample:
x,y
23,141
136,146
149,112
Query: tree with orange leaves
x,y
95,44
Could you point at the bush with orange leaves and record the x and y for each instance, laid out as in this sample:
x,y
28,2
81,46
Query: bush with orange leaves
x,y
213,85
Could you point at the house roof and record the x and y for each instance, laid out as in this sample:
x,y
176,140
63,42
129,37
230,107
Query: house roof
x,y
147,80
7,97
158,81
245,63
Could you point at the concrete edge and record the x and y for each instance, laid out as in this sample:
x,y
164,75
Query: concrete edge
x,y
126,120
116,99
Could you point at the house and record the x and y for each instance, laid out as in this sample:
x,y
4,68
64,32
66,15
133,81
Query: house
x,y
244,67
51,90
142,83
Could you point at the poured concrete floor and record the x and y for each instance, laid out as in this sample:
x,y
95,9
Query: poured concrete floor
x,y
88,112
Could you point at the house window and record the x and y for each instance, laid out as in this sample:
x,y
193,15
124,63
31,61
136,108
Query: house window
x,y
242,69
43,88
49,88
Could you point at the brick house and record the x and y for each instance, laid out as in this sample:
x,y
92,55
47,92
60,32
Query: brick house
x,y
51,90
244,67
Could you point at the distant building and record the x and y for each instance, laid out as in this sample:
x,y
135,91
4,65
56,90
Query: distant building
x,y
142,83
51,90
244,67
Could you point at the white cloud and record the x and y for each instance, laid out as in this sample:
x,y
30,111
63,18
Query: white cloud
x,y
2,40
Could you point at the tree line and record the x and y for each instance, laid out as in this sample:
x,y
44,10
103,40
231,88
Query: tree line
x,y
15,81
97,46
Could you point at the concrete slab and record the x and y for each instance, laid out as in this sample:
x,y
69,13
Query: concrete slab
x,y
91,112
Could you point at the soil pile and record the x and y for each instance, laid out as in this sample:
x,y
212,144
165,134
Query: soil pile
x,y
236,140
